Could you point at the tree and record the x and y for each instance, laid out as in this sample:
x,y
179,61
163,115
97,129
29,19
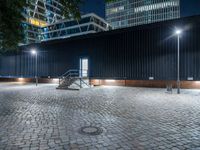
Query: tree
x,y
11,18
71,7
11,32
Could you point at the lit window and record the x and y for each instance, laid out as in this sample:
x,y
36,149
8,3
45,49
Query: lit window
x,y
115,10
155,6
37,22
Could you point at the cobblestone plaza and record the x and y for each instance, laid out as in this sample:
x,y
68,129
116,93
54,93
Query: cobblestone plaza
x,y
129,118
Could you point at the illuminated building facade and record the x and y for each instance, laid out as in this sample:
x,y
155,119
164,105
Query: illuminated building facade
x,y
89,23
45,22
39,14
125,13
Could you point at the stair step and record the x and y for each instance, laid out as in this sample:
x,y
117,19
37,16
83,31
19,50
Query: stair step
x,y
66,88
71,83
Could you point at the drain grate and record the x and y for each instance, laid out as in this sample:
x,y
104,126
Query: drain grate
x,y
90,130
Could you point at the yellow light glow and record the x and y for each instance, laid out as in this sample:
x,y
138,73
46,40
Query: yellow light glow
x,y
55,80
111,81
197,82
37,22
21,79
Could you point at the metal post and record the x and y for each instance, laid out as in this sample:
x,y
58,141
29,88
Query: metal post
x,y
178,67
36,72
80,83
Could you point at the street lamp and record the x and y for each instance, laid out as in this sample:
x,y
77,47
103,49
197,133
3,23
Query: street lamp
x,y
178,33
34,52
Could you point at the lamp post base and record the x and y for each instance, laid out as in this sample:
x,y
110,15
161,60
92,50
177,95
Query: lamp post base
x,y
36,81
178,87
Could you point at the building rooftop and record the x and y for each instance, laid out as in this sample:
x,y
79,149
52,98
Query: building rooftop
x,y
89,23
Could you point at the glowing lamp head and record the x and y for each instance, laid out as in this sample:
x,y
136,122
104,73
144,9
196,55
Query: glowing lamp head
x,y
33,52
178,32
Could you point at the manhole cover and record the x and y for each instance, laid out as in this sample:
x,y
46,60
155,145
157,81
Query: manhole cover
x,y
90,130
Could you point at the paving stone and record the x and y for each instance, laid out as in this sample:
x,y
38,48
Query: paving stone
x,y
131,118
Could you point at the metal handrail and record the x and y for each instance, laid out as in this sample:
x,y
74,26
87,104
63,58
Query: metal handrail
x,y
70,73
73,73
71,70
84,83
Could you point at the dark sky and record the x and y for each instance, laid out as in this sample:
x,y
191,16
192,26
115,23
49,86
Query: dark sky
x,y
96,6
188,7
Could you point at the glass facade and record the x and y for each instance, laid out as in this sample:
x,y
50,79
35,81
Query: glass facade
x,y
90,23
125,13
44,22
39,14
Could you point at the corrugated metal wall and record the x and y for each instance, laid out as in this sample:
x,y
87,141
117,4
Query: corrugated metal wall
x,y
134,53
150,51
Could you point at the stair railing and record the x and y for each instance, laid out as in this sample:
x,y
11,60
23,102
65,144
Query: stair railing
x,y
83,82
75,73
69,74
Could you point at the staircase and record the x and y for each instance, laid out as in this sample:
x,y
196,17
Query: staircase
x,y
71,80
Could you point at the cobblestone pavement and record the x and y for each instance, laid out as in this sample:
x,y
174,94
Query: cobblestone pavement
x,y
131,118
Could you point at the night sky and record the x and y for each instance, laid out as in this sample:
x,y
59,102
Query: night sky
x,y
96,6
188,7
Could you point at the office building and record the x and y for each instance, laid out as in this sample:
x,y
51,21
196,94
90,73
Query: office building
x,y
126,13
89,23
39,14
44,22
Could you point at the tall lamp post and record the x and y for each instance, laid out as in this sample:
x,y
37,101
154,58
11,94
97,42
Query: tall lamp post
x,y
178,33
34,52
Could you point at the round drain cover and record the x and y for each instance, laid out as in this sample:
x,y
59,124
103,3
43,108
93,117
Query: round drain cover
x,y
90,130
